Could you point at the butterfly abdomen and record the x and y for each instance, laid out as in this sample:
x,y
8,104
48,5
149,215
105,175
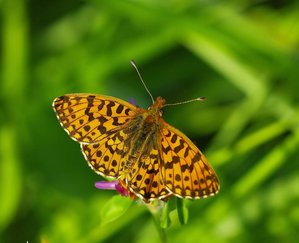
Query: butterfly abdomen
x,y
139,139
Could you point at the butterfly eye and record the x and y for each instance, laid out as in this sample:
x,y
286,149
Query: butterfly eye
x,y
160,112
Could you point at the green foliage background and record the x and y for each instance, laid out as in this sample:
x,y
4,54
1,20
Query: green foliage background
x,y
242,55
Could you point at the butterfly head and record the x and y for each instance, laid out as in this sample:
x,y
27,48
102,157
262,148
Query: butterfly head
x,y
157,106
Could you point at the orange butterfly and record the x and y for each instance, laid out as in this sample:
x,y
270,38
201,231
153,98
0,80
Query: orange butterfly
x,y
149,157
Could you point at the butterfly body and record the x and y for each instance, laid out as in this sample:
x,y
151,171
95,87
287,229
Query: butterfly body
x,y
150,158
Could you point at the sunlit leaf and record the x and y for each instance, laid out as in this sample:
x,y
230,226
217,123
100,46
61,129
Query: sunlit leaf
x,y
114,208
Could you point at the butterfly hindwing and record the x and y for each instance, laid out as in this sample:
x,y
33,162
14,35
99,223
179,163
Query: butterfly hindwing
x,y
185,169
106,156
145,178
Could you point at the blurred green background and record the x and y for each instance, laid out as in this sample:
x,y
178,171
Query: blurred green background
x,y
242,55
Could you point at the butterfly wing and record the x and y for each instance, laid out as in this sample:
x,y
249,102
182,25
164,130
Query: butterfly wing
x,y
186,172
145,178
97,122
91,118
105,156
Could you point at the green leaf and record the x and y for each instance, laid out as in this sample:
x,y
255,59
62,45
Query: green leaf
x,y
114,208
182,210
165,220
10,174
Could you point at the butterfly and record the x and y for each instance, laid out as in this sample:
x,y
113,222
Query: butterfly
x,y
149,157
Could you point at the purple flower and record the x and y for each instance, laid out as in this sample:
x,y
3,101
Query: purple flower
x,y
112,185
132,101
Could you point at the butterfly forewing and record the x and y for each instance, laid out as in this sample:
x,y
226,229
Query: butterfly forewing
x,y
185,169
90,118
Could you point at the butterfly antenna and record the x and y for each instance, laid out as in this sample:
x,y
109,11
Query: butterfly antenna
x,y
187,101
139,75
